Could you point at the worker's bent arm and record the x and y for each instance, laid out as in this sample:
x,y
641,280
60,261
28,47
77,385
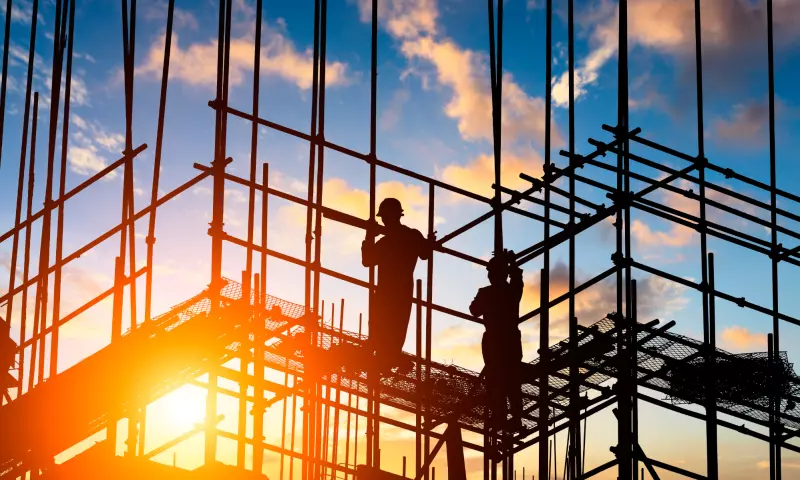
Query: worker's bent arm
x,y
425,247
517,283
476,307
367,253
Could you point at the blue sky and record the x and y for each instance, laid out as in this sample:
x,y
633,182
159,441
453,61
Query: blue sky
x,y
434,118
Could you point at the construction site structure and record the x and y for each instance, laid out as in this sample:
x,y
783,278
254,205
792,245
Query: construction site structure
x,y
612,362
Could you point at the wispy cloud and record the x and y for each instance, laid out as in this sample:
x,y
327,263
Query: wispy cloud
x,y
21,12
196,63
156,10
747,124
394,110
89,145
733,32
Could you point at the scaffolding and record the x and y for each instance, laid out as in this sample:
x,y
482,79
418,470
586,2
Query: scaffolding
x,y
616,360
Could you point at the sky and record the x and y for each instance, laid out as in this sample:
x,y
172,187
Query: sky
x,y
433,117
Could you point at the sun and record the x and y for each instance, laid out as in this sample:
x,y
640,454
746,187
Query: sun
x,y
180,410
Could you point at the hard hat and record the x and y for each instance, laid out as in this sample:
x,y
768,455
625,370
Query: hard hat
x,y
501,262
390,206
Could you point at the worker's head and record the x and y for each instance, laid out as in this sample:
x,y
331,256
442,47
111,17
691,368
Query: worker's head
x,y
498,268
390,212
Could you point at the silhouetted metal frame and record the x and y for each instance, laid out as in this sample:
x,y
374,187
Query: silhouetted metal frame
x,y
317,143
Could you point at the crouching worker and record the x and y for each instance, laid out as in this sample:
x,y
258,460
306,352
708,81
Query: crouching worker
x,y
498,304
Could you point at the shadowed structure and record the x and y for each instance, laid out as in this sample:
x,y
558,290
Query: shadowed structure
x,y
234,333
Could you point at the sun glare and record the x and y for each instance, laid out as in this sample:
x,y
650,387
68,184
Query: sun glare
x,y
181,410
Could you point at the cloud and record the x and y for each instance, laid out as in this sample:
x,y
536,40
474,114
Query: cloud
x,y
86,160
157,11
21,12
655,297
764,464
78,92
587,72
461,345
403,19
733,32
355,201
747,125
478,175
740,338
341,240
196,64
394,110
87,140
677,236
42,78
464,72
5,264
534,4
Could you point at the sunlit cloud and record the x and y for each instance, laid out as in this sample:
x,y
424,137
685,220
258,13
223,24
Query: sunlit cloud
x,y
342,242
464,72
465,75
478,175
677,235
87,161
740,338
196,64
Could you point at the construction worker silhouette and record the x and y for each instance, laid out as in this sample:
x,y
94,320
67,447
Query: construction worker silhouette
x,y
395,254
498,304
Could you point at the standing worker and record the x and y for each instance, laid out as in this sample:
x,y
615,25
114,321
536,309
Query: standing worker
x,y
498,304
395,255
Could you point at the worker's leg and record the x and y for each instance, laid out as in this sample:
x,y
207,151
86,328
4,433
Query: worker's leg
x,y
514,392
396,328
513,378
376,343
495,395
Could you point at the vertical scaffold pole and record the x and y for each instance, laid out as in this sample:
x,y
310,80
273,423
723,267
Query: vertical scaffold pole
x,y
23,145
308,400
624,327
428,319
544,295
6,38
776,431
319,140
418,386
42,290
573,454
27,259
710,406
216,229
373,430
